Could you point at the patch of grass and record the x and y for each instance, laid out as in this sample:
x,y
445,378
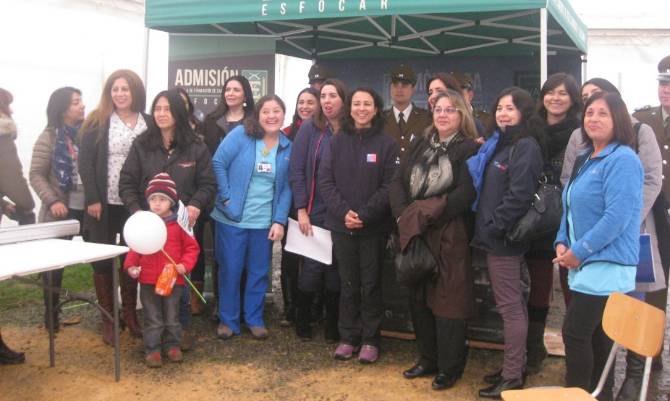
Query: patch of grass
x,y
13,293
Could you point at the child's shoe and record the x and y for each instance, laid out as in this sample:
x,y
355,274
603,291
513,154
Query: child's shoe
x,y
153,359
174,354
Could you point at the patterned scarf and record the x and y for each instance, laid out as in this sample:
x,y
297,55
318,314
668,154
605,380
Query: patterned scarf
x,y
432,173
65,156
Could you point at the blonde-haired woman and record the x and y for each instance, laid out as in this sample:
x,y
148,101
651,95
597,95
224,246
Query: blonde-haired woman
x,y
430,197
106,136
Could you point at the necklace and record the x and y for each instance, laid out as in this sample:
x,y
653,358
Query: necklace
x,y
265,151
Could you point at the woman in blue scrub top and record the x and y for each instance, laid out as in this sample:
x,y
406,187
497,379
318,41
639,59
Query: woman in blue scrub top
x,y
252,205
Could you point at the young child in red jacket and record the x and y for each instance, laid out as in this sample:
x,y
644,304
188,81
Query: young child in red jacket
x,y
161,314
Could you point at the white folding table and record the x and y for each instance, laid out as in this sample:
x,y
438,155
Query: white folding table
x,y
44,255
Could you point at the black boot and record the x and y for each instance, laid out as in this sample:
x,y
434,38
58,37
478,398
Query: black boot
x,y
56,281
332,304
451,351
8,356
536,351
630,389
289,287
303,329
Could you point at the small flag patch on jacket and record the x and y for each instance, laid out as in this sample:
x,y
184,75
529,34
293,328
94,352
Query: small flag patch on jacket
x,y
372,158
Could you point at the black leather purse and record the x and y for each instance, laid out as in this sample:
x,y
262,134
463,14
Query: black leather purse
x,y
415,263
543,217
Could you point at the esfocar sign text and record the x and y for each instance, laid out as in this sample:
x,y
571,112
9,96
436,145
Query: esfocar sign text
x,y
313,7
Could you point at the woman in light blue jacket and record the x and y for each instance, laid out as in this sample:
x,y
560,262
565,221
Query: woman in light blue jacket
x,y
598,240
251,209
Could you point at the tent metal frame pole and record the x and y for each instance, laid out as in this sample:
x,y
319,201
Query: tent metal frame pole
x,y
145,59
543,45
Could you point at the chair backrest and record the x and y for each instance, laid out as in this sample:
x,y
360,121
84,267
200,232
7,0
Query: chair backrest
x,y
635,325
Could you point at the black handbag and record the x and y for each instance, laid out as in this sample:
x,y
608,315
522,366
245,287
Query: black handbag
x,y
415,263
544,216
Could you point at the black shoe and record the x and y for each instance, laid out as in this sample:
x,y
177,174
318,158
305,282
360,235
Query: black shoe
x,y
418,371
493,378
9,357
443,381
495,390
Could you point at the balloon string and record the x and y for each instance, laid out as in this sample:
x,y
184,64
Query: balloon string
x,y
185,277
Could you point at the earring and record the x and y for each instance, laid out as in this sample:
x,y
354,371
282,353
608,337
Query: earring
x,y
244,104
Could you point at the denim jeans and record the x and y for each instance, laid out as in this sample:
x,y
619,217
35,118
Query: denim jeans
x,y
161,318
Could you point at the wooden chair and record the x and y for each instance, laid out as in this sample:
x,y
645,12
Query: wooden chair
x,y
631,324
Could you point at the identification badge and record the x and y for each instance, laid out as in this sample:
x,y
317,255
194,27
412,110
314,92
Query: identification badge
x,y
264,167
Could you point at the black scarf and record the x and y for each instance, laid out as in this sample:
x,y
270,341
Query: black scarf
x,y
557,136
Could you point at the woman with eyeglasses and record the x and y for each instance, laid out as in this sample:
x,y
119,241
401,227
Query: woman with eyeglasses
x,y
431,196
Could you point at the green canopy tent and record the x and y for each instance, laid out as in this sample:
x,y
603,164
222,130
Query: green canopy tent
x,y
357,35
331,29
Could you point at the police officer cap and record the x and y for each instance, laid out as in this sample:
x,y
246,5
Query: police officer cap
x,y
464,79
664,69
318,73
403,73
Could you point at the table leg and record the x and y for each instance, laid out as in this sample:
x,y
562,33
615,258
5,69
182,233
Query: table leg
x,y
50,319
115,297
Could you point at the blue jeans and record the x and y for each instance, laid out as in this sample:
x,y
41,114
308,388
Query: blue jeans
x,y
240,249
160,318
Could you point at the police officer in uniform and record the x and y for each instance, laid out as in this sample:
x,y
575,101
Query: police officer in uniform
x,y
404,121
317,74
659,119
482,118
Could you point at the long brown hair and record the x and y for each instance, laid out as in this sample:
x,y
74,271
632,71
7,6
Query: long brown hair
x,y
341,88
105,108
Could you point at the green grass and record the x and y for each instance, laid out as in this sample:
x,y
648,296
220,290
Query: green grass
x,y
13,293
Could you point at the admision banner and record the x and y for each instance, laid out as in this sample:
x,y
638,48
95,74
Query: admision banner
x,y
202,64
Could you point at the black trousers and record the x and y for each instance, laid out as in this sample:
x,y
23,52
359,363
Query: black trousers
x,y
117,216
57,275
440,341
586,344
359,259
199,231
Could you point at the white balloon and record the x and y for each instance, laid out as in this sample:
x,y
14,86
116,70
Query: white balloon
x,y
145,233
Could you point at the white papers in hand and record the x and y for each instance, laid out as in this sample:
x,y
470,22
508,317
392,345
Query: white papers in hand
x,y
318,246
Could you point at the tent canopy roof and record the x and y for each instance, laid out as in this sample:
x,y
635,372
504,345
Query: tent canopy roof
x,y
322,29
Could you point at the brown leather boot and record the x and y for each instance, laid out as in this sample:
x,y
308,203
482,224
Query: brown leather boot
x,y
103,290
129,300
197,307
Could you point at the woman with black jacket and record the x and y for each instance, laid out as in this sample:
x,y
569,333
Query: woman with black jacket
x,y
505,172
354,177
235,105
557,117
430,196
170,146
105,139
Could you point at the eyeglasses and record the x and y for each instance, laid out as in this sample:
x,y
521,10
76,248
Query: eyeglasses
x,y
446,110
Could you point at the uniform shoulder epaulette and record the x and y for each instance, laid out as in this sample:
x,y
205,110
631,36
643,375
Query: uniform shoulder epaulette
x,y
643,108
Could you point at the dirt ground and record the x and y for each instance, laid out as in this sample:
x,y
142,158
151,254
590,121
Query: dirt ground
x,y
280,368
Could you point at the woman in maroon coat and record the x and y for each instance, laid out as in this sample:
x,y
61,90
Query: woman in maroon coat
x,y
431,196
